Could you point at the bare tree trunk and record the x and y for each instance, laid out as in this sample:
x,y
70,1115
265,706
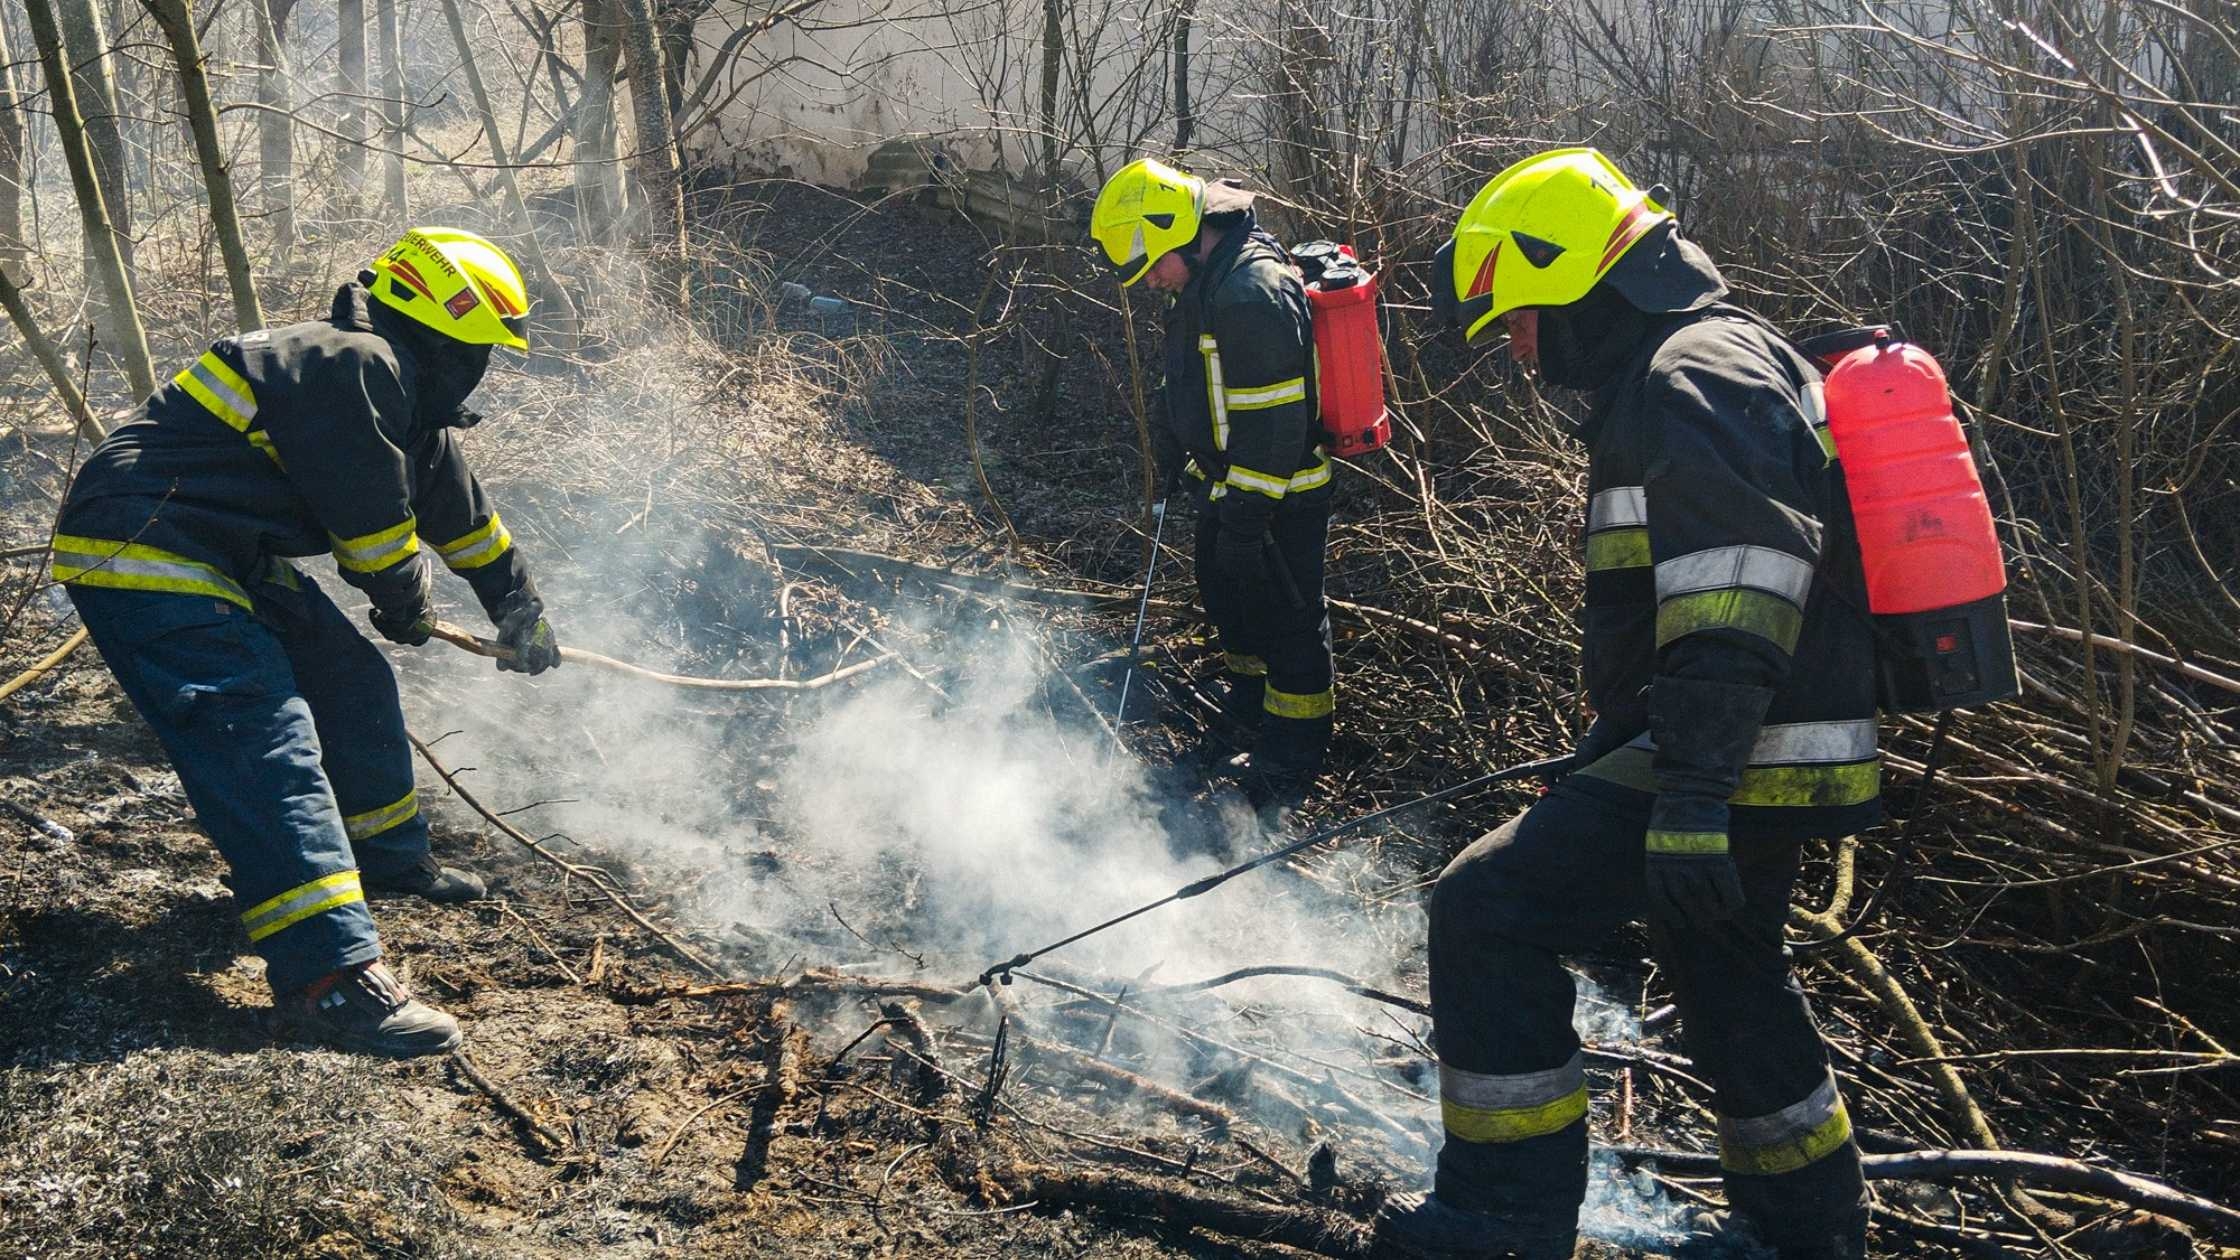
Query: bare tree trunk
x,y
50,359
656,149
177,22
350,51
13,150
276,137
598,178
93,215
86,41
561,331
1185,115
390,37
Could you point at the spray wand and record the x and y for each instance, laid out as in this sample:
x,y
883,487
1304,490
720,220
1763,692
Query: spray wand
x,y
1542,768
1143,605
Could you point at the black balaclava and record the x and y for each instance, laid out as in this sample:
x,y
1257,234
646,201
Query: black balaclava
x,y
443,372
1584,344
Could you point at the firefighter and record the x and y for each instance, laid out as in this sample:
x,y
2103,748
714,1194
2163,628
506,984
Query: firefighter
x,y
1241,430
283,722
1730,666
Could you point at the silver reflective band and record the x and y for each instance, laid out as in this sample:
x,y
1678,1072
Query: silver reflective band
x,y
1803,743
1487,1092
122,567
1287,391
1620,505
244,408
1786,1125
1816,405
1722,568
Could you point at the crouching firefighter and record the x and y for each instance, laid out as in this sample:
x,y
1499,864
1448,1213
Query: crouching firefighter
x,y
1730,664
283,722
1241,430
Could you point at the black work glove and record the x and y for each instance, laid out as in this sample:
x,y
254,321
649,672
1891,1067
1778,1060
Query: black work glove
x,y
1704,732
1693,880
522,627
1242,559
404,617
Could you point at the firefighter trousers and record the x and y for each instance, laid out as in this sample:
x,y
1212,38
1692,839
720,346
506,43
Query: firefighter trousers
x,y
285,729
1554,881
1276,642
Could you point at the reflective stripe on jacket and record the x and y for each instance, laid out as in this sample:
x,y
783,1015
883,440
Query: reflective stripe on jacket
x,y
1240,391
284,442
1719,551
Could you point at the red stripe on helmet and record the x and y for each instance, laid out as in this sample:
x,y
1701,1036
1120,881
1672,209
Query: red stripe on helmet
x,y
497,299
411,275
1637,221
1483,282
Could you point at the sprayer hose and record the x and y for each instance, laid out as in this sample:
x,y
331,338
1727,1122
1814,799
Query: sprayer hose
x,y
465,641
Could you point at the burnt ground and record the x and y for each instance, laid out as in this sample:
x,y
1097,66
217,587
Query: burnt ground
x,y
145,1110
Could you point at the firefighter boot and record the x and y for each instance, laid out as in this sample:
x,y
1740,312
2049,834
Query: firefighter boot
x,y
364,1008
1421,1227
443,885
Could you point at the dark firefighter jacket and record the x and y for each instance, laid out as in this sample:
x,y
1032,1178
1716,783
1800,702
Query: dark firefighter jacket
x,y
1240,387
1726,633
289,442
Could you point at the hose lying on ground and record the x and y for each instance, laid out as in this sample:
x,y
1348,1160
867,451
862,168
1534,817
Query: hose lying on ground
x,y
40,670
459,638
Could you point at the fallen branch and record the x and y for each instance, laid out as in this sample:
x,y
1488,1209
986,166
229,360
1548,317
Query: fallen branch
x,y
904,1025
554,1141
2045,1171
1315,1230
806,982
598,880
459,638
2192,671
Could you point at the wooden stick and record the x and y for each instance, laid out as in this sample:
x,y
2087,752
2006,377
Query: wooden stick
x,y
46,666
550,1136
2194,672
459,638
2043,1170
599,881
1315,1230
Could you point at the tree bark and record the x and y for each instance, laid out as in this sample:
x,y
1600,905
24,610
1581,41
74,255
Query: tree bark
x,y
177,23
350,52
93,214
656,150
391,39
13,148
561,330
50,359
1185,114
598,178
276,137
85,39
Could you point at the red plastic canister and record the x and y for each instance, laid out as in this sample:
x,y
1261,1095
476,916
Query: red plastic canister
x,y
1349,358
1935,578
1925,530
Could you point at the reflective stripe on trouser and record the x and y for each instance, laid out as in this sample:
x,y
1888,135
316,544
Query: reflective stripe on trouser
x,y
1288,644
219,687
1555,881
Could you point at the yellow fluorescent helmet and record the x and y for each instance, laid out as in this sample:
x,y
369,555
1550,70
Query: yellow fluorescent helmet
x,y
457,283
1146,211
1543,233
